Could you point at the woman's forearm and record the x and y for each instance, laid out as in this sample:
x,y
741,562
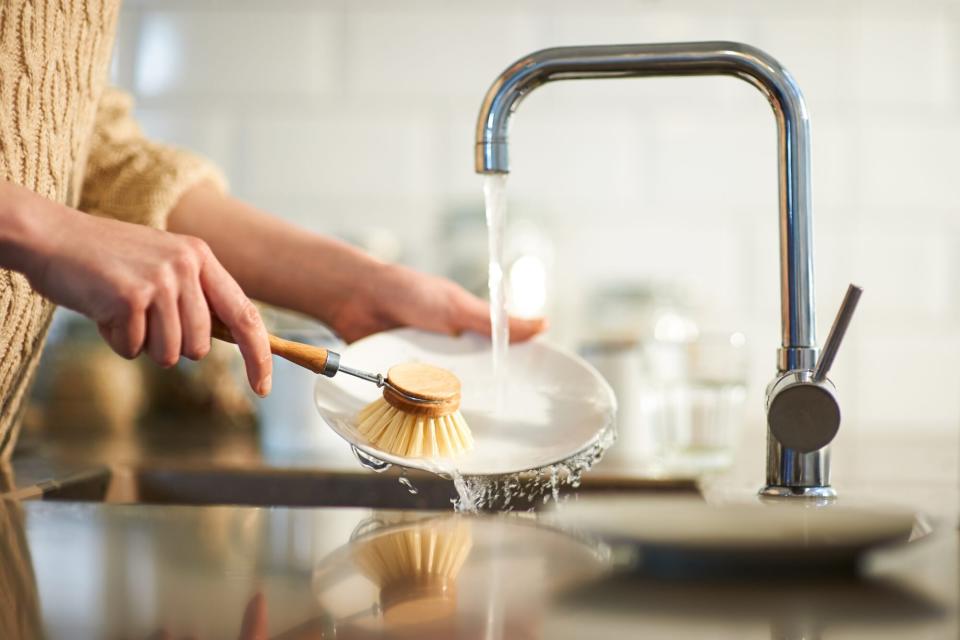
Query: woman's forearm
x,y
275,261
340,285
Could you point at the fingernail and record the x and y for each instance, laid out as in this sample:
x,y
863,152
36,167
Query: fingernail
x,y
266,385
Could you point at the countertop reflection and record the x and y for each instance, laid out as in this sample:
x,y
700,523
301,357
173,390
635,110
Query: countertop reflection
x,y
91,570
135,571
85,570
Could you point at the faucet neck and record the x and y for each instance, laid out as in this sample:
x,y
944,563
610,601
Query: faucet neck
x,y
798,341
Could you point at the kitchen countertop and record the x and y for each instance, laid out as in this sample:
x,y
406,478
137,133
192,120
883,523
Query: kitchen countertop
x,y
86,569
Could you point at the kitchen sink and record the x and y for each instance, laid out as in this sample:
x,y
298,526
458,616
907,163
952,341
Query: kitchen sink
x,y
196,464
267,486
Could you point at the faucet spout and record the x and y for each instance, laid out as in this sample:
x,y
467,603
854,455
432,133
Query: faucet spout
x,y
798,342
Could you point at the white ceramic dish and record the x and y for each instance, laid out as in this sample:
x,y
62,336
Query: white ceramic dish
x,y
555,404
689,536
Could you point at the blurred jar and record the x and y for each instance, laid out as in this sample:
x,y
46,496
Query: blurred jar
x,y
680,391
695,421
83,387
290,425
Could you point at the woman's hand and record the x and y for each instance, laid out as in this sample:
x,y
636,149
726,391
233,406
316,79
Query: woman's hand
x,y
147,290
340,285
397,296
253,626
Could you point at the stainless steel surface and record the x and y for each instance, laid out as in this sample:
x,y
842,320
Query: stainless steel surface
x,y
803,414
375,378
778,491
267,487
789,471
195,463
837,331
795,455
803,411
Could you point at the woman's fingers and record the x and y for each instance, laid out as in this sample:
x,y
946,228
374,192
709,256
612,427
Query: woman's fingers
x,y
254,624
473,314
194,320
164,337
232,306
126,334
167,311
522,329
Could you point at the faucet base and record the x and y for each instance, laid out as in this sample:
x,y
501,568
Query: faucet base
x,y
780,491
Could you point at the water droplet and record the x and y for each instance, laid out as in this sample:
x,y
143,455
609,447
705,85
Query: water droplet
x,y
405,481
373,464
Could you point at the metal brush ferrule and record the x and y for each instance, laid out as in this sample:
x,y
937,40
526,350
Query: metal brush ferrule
x,y
332,365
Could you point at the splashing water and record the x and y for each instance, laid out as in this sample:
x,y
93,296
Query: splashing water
x,y
525,491
495,197
464,501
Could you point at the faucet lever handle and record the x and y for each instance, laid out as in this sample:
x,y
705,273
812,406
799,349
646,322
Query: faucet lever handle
x,y
837,331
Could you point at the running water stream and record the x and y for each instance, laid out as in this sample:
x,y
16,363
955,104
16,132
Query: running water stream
x,y
495,197
521,490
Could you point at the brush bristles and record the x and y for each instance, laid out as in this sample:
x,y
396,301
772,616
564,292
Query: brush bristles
x,y
415,554
414,436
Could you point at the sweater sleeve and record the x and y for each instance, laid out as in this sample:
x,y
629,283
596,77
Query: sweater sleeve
x,y
131,178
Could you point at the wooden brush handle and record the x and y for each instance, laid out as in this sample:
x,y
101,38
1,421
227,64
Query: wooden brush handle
x,y
304,355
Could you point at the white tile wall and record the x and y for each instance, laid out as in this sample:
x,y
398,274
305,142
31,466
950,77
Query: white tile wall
x,y
918,48
693,167
339,152
433,50
213,133
235,51
345,115
910,163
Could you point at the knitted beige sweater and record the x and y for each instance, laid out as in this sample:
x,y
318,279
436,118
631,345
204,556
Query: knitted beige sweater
x,y
70,138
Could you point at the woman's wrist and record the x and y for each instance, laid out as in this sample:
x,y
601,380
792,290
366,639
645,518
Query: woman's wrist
x,y
27,229
350,279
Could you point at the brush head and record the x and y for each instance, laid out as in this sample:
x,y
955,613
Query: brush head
x,y
411,435
422,389
416,570
418,415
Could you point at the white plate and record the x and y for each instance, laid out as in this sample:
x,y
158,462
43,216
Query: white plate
x,y
555,404
687,535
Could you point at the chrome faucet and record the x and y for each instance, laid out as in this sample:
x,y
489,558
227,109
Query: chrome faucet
x,y
803,413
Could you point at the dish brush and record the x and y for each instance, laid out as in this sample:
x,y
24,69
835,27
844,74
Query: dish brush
x,y
418,414
416,569
429,426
